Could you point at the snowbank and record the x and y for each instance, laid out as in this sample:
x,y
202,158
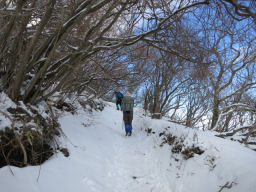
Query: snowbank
x,y
103,159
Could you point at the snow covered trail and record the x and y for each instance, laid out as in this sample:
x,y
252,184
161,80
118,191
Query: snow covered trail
x,y
103,159
130,162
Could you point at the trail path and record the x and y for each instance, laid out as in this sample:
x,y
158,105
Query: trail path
x,y
131,164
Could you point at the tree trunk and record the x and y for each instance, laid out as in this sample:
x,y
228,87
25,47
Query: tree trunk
x,y
215,114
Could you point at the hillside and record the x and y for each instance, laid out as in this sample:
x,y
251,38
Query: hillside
x,y
102,159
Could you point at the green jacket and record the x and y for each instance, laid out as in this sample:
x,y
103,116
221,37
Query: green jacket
x,y
127,103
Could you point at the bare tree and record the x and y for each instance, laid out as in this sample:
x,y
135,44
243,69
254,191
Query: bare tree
x,y
165,83
196,106
240,8
48,41
231,56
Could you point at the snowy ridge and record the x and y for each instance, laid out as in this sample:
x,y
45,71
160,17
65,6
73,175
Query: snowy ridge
x,y
102,159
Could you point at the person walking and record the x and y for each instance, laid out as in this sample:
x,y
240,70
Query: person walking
x,y
127,106
119,98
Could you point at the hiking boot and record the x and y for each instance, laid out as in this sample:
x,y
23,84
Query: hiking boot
x,y
126,133
129,133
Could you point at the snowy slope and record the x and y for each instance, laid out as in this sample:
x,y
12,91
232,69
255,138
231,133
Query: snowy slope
x,y
102,159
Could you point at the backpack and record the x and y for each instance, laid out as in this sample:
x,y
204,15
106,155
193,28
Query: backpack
x,y
119,96
127,104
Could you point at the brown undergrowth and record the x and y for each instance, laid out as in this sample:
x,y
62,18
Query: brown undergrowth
x,y
178,146
30,139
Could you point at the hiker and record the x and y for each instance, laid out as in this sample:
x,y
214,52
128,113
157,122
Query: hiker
x,y
127,105
119,98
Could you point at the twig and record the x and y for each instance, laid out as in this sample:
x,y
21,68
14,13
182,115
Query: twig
x,y
8,164
227,185
66,137
25,159
39,173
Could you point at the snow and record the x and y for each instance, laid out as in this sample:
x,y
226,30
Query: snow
x,y
9,9
5,103
103,159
